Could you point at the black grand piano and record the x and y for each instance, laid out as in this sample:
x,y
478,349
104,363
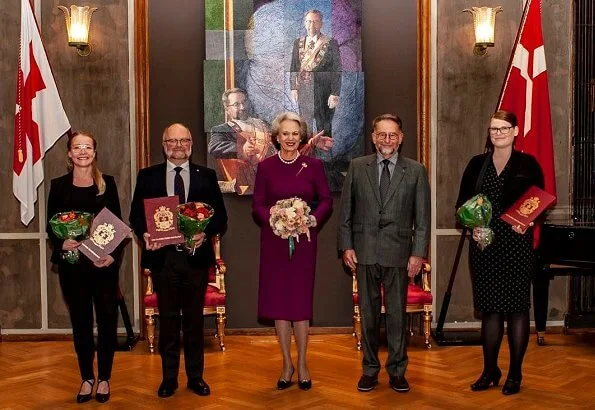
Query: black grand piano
x,y
567,250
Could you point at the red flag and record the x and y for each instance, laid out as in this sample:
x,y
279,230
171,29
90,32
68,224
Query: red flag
x,y
525,93
40,119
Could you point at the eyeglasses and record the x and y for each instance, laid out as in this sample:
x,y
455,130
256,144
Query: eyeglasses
x,y
82,147
501,130
384,135
182,141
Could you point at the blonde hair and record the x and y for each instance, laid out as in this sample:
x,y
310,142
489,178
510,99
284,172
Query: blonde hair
x,y
97,174
288,116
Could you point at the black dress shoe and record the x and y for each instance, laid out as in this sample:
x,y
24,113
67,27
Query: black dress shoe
x,y
282,384
199,386
399,384
511,387
102,397
486,380
305,384
83,398
167,388
367,383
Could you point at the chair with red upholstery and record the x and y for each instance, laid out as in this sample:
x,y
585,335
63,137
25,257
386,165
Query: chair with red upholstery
x,y
419,301
214,299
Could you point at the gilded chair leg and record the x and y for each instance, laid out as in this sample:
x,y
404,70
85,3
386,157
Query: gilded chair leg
x,y
410,321
427,327
357,327
150,321
221,320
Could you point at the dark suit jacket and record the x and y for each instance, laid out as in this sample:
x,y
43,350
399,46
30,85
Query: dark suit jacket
x,y
386,234
327,74
151,183
223,142
524,172
60,200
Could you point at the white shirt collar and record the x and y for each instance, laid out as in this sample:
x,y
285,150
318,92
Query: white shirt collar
x,y
170,166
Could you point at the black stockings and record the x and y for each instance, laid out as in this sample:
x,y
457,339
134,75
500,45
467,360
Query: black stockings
x,y
492,330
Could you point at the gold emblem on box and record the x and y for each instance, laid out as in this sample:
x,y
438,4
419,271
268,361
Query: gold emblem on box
x,y
103,235
164,219
529,206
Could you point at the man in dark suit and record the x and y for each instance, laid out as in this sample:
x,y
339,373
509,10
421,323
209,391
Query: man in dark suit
x,y
316,74
180,278
383,233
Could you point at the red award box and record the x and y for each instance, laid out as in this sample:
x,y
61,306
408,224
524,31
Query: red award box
x,y
528,207
162,222
107,232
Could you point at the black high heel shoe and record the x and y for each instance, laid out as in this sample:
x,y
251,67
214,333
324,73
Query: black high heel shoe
x,y
305,384
102,397
511,387
282,384
485,380
83,398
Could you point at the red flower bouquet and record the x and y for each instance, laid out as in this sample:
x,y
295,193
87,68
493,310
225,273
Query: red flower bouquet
x,y
71,225
193,218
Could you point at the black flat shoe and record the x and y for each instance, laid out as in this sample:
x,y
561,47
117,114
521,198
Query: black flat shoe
x,y
167,388
511,387
485,380
102,397
200,387
282,384
83,398
305,384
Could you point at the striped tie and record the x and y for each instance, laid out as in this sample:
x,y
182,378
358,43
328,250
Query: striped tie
x,y
384,180
179,185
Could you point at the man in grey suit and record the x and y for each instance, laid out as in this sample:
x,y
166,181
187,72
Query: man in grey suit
x,y
383,233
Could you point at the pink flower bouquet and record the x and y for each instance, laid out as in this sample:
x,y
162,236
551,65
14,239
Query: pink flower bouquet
x,y
291,218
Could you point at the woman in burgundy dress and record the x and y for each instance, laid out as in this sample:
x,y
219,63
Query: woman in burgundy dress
x,y
286,286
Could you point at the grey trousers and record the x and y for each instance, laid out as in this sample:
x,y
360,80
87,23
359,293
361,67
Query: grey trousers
x,y
369,278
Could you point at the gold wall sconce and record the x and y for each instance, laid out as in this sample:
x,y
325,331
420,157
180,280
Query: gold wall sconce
x,y
78,23
484,22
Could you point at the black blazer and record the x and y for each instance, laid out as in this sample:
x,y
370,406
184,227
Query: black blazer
x,y
60,200
151,183
524,172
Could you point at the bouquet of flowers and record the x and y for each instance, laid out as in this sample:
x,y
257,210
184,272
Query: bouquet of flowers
x,y
477,213
193,218
291,218
71,225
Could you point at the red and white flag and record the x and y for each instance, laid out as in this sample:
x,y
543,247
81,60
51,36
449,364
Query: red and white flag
x,y
39,120
525,93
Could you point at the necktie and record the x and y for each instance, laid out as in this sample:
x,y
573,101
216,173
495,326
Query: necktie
x,y
384,180
179,185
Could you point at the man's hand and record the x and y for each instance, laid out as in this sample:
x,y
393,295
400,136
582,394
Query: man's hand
x,y
349,258
151,246
294,96
413,266
333,101
199,239
104,262
249,149
321,141
70,244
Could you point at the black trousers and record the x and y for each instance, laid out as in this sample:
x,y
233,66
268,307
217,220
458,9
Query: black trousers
x,y
84,287
181,288
369,278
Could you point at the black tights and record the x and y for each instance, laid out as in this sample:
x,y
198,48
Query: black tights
x,y
492,331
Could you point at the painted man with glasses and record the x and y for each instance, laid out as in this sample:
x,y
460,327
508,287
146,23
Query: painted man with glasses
x,y
239,144
316,74
383,234
179,277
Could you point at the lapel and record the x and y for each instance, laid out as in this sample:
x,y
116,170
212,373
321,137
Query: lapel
x,y
161,183
397,177
194,181
372,172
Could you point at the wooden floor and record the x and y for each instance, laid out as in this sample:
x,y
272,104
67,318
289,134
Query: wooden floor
x,y
561,375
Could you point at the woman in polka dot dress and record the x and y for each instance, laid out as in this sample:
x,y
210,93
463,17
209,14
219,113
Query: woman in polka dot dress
x,y
501,273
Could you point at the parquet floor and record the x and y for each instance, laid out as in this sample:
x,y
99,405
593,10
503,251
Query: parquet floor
x,y
561,375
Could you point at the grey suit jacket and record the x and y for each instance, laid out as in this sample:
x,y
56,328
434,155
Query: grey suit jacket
x,y
385,234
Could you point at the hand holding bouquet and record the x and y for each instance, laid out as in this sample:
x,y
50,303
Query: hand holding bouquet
x,y
476,214
193,218
291,218
71,225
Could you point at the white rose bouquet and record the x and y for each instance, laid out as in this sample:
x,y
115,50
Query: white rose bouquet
x,y
291,218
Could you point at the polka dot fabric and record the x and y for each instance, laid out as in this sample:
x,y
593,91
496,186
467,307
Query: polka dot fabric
x,y
501,273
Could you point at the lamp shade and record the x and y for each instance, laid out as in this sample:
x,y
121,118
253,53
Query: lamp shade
x,y
484,21
78,22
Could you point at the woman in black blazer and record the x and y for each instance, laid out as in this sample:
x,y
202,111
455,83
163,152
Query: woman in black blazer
x,y
501,273
86,284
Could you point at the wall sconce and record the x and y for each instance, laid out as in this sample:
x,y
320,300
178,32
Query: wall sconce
x,y
484,21
78,22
